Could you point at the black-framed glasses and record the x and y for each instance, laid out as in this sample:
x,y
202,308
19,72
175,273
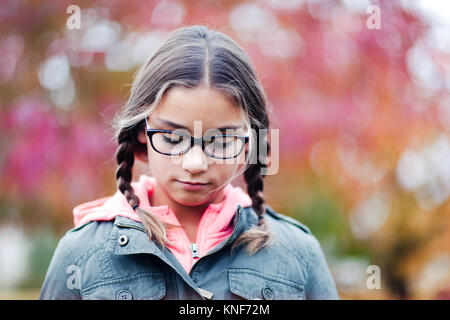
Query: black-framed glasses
x,y
177,143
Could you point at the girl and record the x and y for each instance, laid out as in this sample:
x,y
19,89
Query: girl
x,y
195,114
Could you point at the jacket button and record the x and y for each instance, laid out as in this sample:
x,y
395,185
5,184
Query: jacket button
x,y
123,240
267,293
124,295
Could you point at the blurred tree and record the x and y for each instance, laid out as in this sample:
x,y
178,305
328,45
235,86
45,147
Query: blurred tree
x,y
358,110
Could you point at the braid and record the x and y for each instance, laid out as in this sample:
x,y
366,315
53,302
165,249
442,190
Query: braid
x,y
255,182
155,228
255,185
258,236
125,161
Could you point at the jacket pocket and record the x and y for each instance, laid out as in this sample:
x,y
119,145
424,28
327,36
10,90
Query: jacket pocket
x,y
144,286
251,284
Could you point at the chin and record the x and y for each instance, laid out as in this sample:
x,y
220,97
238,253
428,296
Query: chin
x,y
191,200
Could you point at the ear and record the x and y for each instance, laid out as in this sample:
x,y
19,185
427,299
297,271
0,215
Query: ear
x,y
142,137
141,148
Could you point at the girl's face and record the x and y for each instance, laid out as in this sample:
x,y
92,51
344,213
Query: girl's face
x,y
179,108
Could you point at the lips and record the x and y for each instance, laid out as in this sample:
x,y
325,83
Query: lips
x,y
193,186
193,183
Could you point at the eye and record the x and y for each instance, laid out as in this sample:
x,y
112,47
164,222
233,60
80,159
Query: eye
x,y
220,141
172,138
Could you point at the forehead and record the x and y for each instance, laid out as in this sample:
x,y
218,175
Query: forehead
x,y
184,106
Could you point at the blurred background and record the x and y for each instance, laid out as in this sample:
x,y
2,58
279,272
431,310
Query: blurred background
x,y
360,95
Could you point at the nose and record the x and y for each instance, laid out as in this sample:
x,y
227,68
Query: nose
x,y
195,160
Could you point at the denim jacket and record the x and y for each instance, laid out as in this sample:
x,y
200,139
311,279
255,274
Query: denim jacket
x,y
115,260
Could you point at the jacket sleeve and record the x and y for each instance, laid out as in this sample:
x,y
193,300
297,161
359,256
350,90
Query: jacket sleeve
x,y
320,284
62,280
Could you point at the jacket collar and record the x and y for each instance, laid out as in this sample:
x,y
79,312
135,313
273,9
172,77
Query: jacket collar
x,y
137,241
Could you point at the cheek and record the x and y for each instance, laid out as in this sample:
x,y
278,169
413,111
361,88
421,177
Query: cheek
x,y
160,165
223,172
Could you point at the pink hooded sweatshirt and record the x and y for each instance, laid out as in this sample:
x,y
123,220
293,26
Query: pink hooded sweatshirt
x,y
215,224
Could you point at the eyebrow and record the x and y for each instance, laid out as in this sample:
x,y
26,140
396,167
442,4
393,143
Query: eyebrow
x,y
179,126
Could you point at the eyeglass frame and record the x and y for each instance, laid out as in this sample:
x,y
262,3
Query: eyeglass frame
x,y
194,141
